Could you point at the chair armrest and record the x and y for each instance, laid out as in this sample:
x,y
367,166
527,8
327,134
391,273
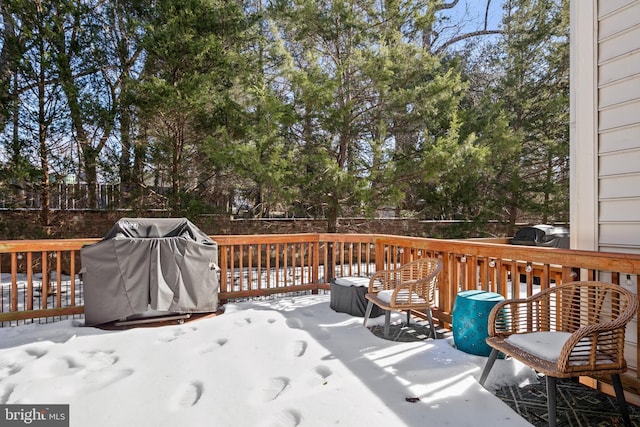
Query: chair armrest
x,y
592,345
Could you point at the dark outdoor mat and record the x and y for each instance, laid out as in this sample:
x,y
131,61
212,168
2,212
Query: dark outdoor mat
x,y
577,405
418,330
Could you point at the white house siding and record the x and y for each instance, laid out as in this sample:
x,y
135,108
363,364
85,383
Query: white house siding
x,y
618,124
605,133
618,136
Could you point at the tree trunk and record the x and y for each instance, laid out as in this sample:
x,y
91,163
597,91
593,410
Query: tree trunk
x,y
332,215
176,158
91,174
6,63
89,152
45,192
126,175
139,155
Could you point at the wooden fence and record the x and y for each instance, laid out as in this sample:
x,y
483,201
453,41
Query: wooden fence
x,y
63,196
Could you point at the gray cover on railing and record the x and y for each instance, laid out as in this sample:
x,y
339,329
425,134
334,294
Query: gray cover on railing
x,y
143,265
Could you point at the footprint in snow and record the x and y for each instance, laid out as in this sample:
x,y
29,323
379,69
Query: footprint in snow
x,y
5,392
323,371
72,363
8,370
323,334
13,365
98,380
299,348
90,360
36,352
175,334
286,418
295,323
273,388
96,360
54,367
244,322
188,395
212,347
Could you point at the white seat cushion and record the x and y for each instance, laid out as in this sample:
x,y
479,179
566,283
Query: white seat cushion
x,y
546,345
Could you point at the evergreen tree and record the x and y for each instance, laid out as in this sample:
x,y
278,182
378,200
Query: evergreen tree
x,y
189,95
533,93
38,121
263,158
375,109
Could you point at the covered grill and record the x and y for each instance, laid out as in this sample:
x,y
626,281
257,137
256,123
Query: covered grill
x,y
542,235
149,267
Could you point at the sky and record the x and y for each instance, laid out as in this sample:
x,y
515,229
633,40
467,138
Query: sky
x,y
284,362
468,16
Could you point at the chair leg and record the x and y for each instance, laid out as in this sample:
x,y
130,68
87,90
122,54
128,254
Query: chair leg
x,y
367,313
622,402
487,367
551,400
408,317
433,328
387,322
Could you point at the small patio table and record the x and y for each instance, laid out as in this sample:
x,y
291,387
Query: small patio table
x,y
470,320
347,296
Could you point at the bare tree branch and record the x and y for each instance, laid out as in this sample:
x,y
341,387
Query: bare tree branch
x,y
486,15
449,5
465,36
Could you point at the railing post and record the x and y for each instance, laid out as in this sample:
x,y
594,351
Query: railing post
x,y
379,256
315,262
223,264
329,262
447,288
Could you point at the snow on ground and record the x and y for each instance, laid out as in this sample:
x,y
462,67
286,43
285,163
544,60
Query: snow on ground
x,y
284,362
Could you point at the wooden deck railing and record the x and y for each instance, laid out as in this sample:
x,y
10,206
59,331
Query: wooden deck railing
x,y
276,264
41,280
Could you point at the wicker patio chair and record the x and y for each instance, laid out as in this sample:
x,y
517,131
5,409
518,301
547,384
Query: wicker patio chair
x,y
573,329
411,286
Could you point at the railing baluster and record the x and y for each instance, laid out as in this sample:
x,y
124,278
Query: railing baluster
x,y
224,269
267,255
14,282
240,267
250,281
58,290
29,267
260,267
277,265
72,278
45,280
285,263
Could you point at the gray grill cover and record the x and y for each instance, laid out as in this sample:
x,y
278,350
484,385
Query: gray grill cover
x,y
144,265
